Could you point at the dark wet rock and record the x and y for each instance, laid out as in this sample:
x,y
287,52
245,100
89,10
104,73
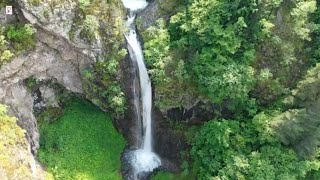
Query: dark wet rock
x,y
129,126
155,10
197,114
168,143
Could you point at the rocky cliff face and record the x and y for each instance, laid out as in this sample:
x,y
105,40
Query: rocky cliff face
x,y
55,58
58,19
157,9
43,63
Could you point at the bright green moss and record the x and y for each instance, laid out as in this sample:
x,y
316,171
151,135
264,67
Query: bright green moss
x,y
22,37
82,144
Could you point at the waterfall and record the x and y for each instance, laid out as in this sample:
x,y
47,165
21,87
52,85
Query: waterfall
x,y
143,159
145,86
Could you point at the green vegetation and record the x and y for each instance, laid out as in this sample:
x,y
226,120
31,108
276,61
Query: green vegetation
x,y
12,141
96,19
222,53
5,3
14,39
90,28
102,84
169,176
98,24
5,53
252,59
35,2
256,63
299,126
21,36
31,83
51,115
235,54
246,150
84,4
166,71
82,144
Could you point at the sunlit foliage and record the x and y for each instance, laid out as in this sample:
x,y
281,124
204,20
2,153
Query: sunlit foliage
x,y
82,144
12,141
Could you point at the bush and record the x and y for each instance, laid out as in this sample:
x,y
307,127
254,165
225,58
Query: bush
x,y
102,84
90,28
35,2
5,54
166,71
83,4
22,36
13,142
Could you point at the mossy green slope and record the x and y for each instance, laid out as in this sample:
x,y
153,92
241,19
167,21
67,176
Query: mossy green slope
x,y
82,144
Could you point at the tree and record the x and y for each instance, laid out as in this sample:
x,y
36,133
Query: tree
x,y
227,149
167,71
300,127
282,46
307,91
219,53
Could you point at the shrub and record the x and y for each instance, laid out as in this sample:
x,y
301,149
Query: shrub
x,y
13,142
5,54
90,28
22,36
35,2
83,4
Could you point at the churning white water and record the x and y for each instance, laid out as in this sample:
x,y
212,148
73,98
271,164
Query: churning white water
x,y
135,5
143,160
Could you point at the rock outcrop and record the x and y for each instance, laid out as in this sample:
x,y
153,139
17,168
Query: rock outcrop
x,y
155,10
55,58
58,62
58,19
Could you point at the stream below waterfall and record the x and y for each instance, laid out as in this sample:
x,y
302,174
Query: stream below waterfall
x,y
143,160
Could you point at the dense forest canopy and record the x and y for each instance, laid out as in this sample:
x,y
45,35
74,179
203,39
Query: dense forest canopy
x,y
253,64
250,57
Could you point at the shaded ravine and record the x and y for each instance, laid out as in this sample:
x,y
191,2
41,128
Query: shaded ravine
x,y
143,160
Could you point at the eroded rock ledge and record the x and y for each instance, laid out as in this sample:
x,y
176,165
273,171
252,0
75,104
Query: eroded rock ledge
x,y
55,58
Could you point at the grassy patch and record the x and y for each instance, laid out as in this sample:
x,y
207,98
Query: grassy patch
x,y
82,144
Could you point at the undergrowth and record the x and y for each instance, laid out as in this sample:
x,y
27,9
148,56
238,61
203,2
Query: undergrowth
x,y
82,144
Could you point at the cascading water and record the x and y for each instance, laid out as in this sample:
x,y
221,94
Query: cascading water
x,y
143,159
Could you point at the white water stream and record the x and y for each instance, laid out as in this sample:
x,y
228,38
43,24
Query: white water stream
x,y
144,159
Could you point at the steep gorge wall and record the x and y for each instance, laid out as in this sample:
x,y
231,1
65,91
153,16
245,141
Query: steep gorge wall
x,y
55,58
61,58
